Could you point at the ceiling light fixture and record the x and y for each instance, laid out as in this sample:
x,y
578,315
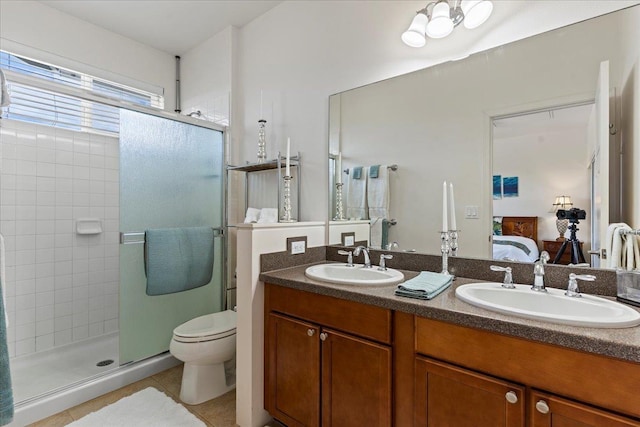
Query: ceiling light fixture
x,y
444,17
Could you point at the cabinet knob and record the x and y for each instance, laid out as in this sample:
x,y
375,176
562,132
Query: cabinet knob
x,y
542,407
311,331
511,397
323,336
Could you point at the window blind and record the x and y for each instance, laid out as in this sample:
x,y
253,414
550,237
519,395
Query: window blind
x,y
41,105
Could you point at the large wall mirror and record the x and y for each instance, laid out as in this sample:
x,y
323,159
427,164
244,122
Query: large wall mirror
x,y
523,112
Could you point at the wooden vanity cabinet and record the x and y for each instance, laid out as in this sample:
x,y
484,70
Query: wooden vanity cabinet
x,y
325,364
447,395
578,385
547,410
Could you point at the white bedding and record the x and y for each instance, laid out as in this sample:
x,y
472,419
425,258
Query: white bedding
x,y
509,248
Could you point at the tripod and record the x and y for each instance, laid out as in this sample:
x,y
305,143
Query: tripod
x,y
576,252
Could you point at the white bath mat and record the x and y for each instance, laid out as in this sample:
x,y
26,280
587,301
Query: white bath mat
x,y
148,407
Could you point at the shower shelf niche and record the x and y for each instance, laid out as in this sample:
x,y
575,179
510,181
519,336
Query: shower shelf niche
x,y
88,226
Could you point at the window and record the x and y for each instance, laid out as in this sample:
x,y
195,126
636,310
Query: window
x,y
41,104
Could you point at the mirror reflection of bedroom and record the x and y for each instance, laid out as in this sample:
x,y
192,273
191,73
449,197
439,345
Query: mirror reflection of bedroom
x,y
541,165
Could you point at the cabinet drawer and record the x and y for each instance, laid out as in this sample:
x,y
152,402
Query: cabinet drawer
x,y
359,319
571,373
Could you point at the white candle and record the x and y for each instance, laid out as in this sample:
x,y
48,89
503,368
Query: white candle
x,y
339,168
445,227
261,105
452,207
288,170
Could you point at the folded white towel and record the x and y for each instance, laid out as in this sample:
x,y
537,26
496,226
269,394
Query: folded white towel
x,y
376,233
613,245
357,195
5,100
268,216
252,215
632,252
378,194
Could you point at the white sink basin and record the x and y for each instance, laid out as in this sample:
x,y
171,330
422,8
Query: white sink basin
x,y
357,275
551,306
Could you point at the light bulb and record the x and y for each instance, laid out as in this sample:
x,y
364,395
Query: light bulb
x,y
476,12
440,24
414,36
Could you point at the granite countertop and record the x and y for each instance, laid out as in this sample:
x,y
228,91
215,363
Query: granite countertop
x,y
621,343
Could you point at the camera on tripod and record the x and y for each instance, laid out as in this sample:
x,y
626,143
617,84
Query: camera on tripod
x,y
573,215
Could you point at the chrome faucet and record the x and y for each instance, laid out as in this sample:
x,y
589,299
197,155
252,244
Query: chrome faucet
x,y
349,256
572,288
538,272
365,251
508,277
383,257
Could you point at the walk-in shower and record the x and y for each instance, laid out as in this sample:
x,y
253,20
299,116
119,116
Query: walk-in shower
x,y
75,295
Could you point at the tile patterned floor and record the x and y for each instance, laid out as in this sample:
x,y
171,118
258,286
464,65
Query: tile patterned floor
x,y
219,412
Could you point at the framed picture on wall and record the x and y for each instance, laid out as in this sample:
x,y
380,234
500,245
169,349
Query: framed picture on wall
x,y
510,186
497,187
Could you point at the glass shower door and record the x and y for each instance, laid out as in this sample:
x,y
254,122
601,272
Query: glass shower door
x,y
171,175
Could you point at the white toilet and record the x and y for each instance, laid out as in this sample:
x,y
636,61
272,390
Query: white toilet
x,y
204,344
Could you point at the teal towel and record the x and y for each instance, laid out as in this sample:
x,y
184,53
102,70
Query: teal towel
x,y
6,392
373,171
385,234
425,285
178,259
357,172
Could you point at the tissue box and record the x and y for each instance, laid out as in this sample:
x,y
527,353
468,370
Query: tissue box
x,y
629,286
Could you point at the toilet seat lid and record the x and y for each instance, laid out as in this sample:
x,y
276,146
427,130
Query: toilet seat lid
x,y
208,326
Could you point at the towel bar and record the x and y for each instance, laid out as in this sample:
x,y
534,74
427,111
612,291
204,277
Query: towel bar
x,y
393,167
135,238
636,231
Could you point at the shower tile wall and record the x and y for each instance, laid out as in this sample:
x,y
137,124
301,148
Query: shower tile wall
x,y
61,286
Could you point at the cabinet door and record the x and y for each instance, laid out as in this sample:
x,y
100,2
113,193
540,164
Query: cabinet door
x,y
356,381
292,389
552,411
447,395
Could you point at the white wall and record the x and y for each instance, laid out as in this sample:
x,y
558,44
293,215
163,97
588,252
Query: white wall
x,y
547,164
35,30
206,75
629,123
299,53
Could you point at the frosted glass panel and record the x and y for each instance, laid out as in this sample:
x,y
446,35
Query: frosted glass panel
x,y
171,175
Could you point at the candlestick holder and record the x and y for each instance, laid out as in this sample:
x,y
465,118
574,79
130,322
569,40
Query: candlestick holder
x,y
453,239
339,207
262,141
444,248
286,217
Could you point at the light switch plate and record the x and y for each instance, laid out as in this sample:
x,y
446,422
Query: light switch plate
x,y
297,245
471,212
348,239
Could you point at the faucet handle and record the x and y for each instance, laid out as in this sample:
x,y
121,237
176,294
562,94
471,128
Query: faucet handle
x,y
382,265
572,287
544,257
349,254
508,278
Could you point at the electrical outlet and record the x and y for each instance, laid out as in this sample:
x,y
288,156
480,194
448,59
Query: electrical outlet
x,y
298,247
349,240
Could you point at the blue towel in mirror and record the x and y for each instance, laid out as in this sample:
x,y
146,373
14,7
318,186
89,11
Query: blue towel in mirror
x,y
178,259
373,171
6,393
357,172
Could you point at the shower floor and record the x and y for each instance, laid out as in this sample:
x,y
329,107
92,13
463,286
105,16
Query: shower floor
x,y
40,373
